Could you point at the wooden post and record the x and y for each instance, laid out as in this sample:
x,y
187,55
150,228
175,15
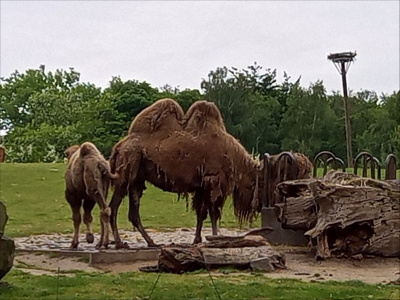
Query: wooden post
x,y
347,117
2,154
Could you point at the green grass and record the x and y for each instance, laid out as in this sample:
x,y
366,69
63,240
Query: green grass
x,y
34,196
187,286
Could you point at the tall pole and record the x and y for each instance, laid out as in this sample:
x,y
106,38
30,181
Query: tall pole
x,y
342,62
347,117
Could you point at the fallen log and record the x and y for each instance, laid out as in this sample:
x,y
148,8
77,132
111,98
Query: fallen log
x,y
235,242
298,211
344,214
242,257
243,252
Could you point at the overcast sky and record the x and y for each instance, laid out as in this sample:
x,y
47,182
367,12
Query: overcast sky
x,y
179,42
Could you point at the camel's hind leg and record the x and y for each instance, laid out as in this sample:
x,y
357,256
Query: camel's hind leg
x,y
215,213
117,197
214,216
135,192
88,205
105,213
75,203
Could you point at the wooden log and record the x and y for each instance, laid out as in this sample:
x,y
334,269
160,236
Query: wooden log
x,y
357,216
235,242
298,212
242,257
247,251
344,214
175,259
260,232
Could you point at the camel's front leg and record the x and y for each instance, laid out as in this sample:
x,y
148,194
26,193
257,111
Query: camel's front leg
x,y
214,216
201,213
135,192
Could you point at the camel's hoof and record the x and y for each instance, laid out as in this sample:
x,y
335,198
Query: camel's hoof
x,y
153,245
121,245
196,241
90,238
74,246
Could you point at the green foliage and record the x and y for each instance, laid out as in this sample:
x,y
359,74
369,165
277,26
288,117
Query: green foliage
x,y
310,108
248,100
44,113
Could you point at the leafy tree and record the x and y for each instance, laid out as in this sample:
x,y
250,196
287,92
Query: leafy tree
x,y
49,112
308,123
248,101
185,98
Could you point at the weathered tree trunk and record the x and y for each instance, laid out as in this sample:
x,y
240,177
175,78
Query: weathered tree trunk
x,y
235,242
344,213
298,212
247,251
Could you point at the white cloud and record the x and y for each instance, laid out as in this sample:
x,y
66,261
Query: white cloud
x,y
180,42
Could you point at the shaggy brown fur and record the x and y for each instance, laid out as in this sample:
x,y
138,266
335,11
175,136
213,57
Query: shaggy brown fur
x,y
70,150
164,113
209,166
203,117
87,180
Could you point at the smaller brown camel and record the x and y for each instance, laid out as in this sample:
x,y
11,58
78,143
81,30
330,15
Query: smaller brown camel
x,y
87,180
187,155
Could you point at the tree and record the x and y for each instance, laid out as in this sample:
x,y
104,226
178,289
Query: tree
x,y
46,113
248,101
308,123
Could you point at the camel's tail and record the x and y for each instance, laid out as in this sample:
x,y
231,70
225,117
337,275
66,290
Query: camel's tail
x,y
105,169
113,164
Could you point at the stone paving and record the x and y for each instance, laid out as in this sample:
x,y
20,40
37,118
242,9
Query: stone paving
x,y
133,238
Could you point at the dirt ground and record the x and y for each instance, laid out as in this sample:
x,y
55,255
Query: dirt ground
x,y
300,264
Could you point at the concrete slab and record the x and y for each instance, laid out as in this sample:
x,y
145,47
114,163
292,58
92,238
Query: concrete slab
x,y
279,235
123,256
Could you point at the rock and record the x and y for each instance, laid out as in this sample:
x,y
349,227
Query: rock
x,y
357,256
262,264
7,245
3,218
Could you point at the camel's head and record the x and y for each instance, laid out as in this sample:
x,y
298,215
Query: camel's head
x,y
70,150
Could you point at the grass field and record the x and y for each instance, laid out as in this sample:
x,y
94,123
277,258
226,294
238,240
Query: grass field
x,y
34,196
187,286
